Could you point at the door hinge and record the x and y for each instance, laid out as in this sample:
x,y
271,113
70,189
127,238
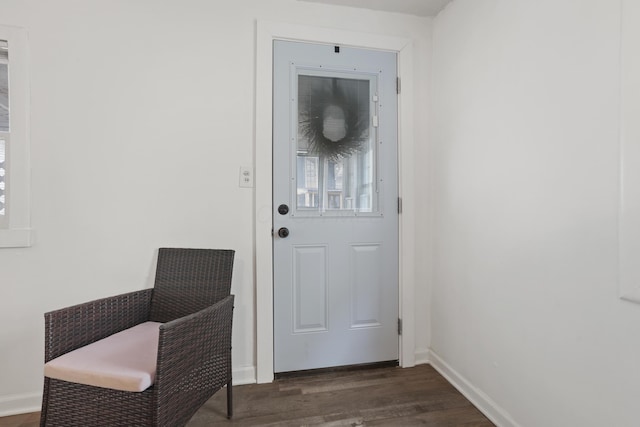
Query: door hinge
x,y
398,85
399,326
399,205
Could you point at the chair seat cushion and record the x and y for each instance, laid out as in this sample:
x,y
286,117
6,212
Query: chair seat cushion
x,y
123,361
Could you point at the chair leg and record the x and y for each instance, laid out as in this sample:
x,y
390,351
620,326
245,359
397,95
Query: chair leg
x,y
45,401
229,399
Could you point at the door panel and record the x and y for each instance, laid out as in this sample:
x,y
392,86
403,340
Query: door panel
x,y
310,289
335,169
366,285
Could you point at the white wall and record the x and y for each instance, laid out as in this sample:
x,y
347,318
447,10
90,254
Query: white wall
x,y
141,115
630,152
525,307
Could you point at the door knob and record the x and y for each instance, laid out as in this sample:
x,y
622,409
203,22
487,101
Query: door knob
x,y
283,209
283,232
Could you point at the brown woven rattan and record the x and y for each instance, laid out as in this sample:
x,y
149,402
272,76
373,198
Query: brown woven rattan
x,y
191,297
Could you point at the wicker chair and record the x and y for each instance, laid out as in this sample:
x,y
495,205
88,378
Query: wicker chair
x,y
191,297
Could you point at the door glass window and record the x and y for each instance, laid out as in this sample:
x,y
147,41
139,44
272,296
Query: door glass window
x,y
335,151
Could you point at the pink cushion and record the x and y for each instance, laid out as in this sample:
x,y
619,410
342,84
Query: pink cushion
x,y
123,361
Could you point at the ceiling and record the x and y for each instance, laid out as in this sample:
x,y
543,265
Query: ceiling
x,y
411,7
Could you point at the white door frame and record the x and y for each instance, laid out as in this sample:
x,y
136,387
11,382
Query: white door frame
x,y
266,33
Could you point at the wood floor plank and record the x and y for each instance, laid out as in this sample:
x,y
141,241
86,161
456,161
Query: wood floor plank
x,y
376,397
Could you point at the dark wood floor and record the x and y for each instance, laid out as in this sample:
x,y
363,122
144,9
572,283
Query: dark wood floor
x,y
372,397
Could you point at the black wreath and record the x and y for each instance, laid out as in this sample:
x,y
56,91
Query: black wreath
x,y
312,124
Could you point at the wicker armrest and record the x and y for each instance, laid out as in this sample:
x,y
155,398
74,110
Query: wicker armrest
x,y
194,358
70,328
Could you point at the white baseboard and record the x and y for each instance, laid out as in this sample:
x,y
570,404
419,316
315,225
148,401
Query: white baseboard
x,y
245,375
20,404
32,402
422,357
480,400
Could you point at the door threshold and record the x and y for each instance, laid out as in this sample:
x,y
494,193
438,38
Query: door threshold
x,y
347,368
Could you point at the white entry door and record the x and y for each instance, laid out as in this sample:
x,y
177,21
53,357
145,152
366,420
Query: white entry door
x,y
335,202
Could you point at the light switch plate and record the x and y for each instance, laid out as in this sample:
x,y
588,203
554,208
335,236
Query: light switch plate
x,y
246,176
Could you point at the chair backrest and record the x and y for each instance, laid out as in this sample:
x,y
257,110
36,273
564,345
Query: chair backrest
x,y
188,280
